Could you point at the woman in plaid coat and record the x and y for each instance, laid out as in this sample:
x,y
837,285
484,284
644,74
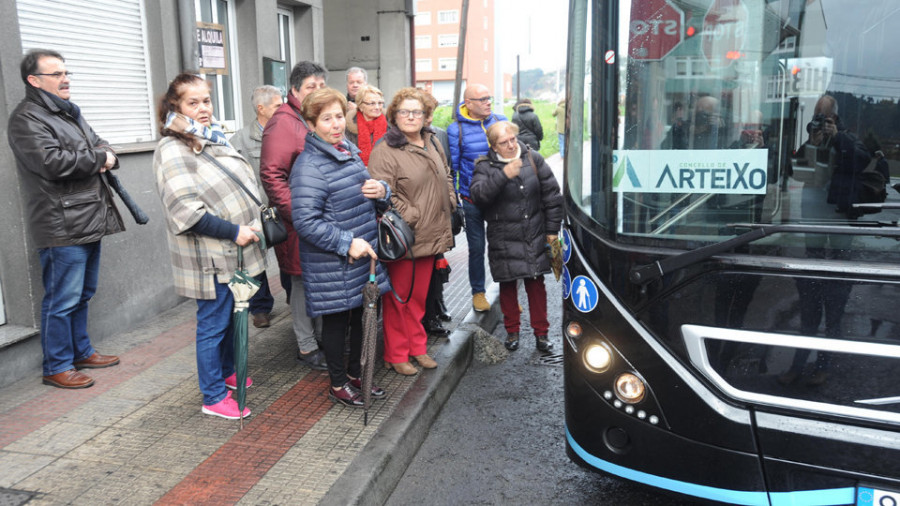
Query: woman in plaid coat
x,y
208,217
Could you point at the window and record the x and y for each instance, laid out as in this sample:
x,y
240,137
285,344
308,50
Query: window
x,y
226,103
689,66
110,66
486,66
446,63
286,37
448,40
447,17
485,22
423,41
486,47
681,66
423,64
423,18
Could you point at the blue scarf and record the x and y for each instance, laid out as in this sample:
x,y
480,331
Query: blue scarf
x,y
178,122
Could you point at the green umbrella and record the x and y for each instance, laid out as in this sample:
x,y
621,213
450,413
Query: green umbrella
x,y
243,286
370,335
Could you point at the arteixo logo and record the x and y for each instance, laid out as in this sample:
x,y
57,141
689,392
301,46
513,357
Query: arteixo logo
x,y
625,168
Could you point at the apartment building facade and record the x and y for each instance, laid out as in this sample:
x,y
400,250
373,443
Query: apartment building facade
x,y
436,29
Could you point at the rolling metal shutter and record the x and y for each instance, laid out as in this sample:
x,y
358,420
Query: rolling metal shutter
x,y
104,44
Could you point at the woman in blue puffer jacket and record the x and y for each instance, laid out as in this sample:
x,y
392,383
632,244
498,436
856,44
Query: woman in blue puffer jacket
x,y
333,210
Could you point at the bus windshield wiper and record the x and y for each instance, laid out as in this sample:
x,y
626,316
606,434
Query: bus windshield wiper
x,y
643,274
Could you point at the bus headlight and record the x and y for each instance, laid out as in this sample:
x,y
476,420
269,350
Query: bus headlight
x,y
597,357
573,330
630,388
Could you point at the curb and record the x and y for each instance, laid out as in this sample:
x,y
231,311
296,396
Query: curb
x,y
371,477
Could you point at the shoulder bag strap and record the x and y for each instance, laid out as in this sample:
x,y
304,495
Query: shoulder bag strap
x,y
233,177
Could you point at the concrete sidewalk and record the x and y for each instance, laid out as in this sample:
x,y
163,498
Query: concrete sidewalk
x,y
138,436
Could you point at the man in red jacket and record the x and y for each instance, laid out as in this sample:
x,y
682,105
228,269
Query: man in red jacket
x,y
283,139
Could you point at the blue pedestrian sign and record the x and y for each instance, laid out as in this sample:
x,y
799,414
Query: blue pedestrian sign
x,y
566,245
584,294
566,283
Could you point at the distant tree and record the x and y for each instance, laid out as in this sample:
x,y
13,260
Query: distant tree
x,y
530,82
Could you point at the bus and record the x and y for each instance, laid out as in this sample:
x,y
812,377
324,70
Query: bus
x,y
731,276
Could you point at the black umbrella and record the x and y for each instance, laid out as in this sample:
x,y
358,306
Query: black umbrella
x,y
370,336
243,286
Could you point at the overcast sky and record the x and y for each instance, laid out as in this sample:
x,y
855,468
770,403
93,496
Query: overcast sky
x,y
547,19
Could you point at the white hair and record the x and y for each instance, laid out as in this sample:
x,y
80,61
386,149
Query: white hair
x,y
360,70
264,94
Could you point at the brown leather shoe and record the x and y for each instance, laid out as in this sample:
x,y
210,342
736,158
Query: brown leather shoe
x,y
96,361
425,361
404,368
69,379
261,320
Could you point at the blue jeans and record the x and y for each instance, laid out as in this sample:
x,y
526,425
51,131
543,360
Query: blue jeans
x,y
262,301
562,145
475,238
215,344
70,276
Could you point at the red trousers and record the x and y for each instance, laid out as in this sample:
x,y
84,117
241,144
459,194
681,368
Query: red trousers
x,y
537,305
404,335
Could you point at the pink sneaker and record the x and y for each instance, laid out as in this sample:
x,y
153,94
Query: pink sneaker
x,y
226,408
231,382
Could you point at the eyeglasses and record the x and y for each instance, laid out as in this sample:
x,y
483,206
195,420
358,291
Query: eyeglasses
x,y
482,99
373,104
418,113
55,75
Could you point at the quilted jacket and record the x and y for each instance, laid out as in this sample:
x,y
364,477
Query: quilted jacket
x,y
328,210
520,213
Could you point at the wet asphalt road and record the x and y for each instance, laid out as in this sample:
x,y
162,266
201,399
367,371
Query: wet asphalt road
x,y
500,437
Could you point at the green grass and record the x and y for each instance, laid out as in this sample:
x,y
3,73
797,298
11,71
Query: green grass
x,y
544,111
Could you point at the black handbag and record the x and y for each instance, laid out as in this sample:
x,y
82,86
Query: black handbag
x,y
274,230
395,242
395,237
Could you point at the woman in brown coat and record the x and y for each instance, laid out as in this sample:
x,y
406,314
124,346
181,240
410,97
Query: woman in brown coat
x,y
413,164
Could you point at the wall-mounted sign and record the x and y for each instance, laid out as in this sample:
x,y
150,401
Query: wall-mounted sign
x,y
213,57
275,73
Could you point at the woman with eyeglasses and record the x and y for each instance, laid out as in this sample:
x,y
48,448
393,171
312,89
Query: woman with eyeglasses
x,y
414,165
368,125
520,200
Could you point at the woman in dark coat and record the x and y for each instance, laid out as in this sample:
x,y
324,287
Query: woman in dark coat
x,y
522,205
530,130
333,210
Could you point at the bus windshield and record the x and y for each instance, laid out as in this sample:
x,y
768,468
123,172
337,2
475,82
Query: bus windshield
x,y
742,112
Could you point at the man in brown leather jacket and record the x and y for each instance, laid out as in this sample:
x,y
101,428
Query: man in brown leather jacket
x,y
69,208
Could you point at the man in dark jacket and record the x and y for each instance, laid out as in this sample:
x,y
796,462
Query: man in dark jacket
x,y
468,141
284,138
530,130
69,208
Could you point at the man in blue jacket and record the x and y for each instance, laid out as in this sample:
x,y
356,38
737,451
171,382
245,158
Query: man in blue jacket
x,y
468,141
